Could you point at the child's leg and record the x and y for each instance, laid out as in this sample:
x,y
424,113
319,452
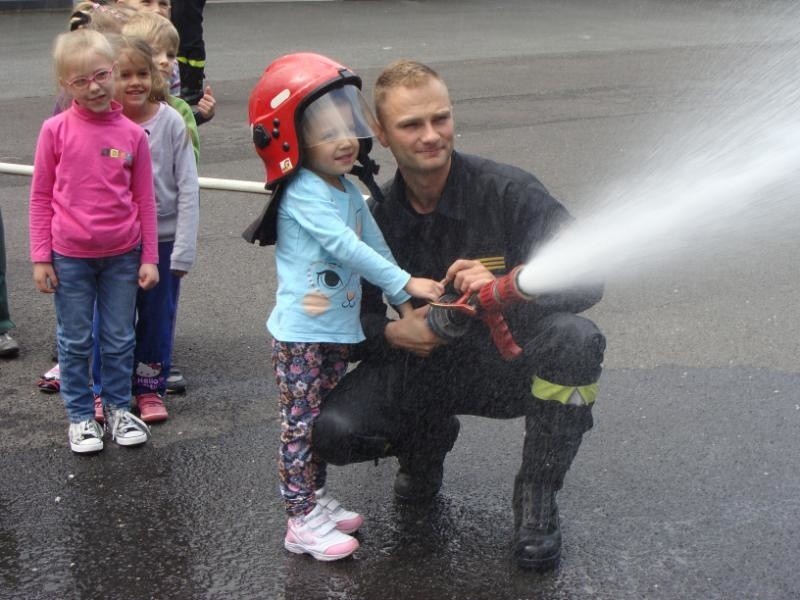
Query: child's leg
x,y
156,311
116,303
5,317
332,368
74,302
97,376
304,372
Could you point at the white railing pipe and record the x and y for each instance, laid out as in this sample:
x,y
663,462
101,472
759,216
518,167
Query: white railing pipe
x,y
207,183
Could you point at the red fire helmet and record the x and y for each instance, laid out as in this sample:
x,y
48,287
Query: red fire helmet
x,y
286,88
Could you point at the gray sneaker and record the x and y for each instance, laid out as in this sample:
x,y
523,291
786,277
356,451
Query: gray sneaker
x,y
176,382
86,436
124,428
8,346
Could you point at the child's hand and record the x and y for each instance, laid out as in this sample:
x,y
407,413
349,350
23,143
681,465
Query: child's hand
x,y
44,276
178,274
206,104
148,276
427,289
405,309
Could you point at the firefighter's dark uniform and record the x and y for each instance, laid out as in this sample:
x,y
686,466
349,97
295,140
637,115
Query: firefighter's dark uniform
x,y
398,404
187,17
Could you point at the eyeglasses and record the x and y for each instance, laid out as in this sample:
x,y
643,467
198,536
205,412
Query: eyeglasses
x,y
99,76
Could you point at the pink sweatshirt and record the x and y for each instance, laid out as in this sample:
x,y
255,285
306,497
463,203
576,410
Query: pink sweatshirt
x,y
92,190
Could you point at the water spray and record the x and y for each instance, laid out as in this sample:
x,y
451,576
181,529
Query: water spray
x,y
705,193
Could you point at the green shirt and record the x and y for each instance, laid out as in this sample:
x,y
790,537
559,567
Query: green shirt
x,y
188,117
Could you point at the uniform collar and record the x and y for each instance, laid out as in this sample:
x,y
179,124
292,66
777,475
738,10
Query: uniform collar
x,y
450,205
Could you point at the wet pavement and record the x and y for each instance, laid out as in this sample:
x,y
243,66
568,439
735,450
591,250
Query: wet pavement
x,y
687,487
671,498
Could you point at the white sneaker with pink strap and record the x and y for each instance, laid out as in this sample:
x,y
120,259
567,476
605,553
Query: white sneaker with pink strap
x,y
346,521
316,534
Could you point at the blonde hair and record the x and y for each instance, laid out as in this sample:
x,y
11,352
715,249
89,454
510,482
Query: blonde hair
x,y
74,46
103,17
140,50
153,28
403,72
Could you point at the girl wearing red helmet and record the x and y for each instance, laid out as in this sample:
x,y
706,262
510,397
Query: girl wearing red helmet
x,y
308,116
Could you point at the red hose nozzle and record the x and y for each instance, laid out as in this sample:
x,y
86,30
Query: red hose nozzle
x,y
502,292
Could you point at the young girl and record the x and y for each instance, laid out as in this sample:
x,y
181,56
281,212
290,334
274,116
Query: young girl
x,y
326,241
93,235
163,39
142,93
105,18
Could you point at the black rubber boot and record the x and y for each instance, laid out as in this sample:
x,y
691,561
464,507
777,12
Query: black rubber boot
x,y
191,83
552,438
419,477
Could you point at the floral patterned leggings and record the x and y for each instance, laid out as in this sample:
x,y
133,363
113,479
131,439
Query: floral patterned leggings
x,y
304,372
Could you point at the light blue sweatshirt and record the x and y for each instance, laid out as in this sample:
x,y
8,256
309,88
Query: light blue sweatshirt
x,y
327,241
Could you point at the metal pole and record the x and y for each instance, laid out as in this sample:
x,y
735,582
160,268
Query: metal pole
x,y
208,183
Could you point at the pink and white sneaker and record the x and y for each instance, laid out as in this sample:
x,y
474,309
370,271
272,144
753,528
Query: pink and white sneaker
x,y
346,521
316,534
50,382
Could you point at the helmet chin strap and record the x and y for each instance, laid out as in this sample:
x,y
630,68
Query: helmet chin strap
x,y
367,169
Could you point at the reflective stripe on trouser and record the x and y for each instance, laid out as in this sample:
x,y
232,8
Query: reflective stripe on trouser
x,y
197,64
565,394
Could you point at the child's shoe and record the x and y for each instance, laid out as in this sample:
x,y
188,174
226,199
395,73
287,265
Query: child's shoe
x,y
8,346
98,409
316,534
124,428
50,382
176,382
346,521
151,408
86,436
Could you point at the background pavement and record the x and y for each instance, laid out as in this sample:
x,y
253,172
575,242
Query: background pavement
x,y
687,487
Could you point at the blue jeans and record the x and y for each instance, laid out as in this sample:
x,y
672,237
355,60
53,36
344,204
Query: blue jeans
x,y
111,282
156,311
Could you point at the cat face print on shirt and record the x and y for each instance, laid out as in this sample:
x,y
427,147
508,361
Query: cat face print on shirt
x,y
328,288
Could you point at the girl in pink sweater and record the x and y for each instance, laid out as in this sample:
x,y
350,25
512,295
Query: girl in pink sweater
x,y
93,236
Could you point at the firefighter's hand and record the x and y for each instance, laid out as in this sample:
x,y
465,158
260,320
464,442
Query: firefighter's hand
x,y
468,275
148,276
44,276
412,334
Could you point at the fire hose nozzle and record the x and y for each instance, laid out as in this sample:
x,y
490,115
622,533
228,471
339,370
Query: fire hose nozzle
x,y
449,317
503,292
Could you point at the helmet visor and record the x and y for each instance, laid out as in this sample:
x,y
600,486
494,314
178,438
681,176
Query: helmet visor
x,y
341,113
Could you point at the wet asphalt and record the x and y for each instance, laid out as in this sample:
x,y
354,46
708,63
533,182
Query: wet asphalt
x,y
687,487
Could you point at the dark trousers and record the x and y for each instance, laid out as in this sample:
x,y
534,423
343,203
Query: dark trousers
x,y
400,407
5,318
187,16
